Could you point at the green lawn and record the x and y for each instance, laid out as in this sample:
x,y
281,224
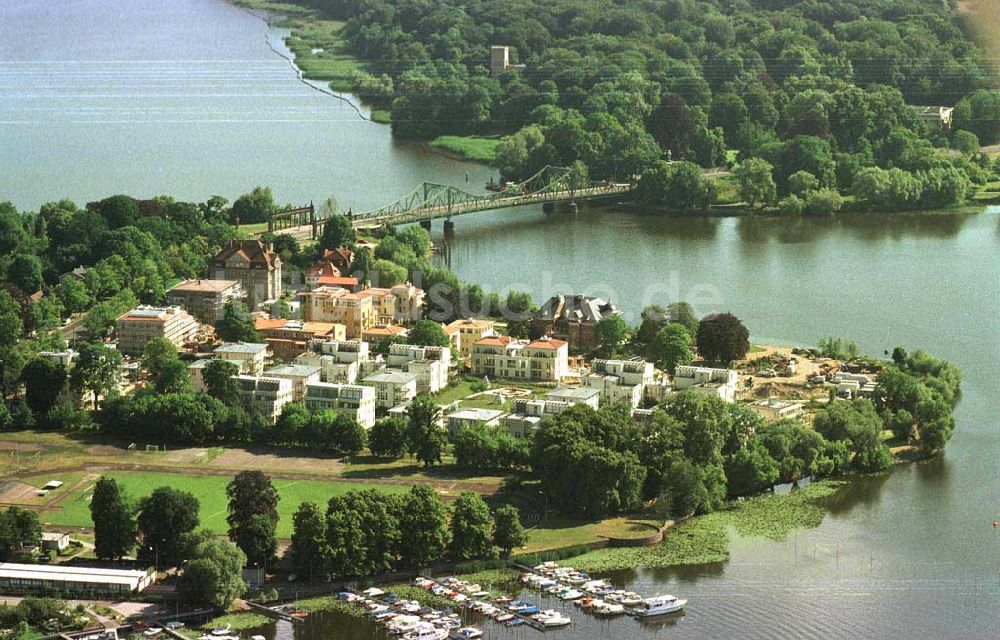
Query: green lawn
x,y
475,148
453,392
211,492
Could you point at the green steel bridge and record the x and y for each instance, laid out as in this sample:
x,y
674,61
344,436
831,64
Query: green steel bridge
x,y
430,200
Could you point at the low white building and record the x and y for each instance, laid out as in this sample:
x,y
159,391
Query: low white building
x,y
620,381
576,395
429,364
72,580
392,388
267,396
775,409
64,358
470,417
354,400
250,356
717,382
527,414
853,384
300,376
339,360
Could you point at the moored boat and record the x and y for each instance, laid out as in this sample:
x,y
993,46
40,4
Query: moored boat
x,y
659,605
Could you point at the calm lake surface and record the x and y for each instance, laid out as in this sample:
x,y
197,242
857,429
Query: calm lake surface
x,y
186,98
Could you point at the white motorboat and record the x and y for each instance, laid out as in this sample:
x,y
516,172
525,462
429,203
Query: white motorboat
x,y
427,632
571,594
659,605
630,599
551,618
467,633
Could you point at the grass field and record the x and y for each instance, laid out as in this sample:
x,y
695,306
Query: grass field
x,y
211,492
475,148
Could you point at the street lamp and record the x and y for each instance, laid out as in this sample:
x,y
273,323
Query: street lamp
x,y
545,510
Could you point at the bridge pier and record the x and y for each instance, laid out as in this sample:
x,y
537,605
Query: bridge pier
x,y
426,224
449,227
548,207
573,206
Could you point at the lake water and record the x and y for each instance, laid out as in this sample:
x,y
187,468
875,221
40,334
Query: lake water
x,y
186,98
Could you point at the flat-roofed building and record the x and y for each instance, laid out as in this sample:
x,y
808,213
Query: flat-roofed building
x,y
250,356
620,381
527,414
301,375
290,338
144,323
429,364
775,409
354,400
717,382
265,395
205,299
72,580
339,360
470,417
469,332
392,388
576,395
542,360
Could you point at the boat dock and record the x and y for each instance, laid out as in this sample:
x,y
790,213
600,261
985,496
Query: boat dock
x,y
531,622
273,612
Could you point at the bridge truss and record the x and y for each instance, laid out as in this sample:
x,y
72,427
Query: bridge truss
x,y
431,200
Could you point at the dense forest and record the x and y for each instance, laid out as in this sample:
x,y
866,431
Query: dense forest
x,y
810,86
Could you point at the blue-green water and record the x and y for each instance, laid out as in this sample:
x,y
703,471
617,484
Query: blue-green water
x,y
186,98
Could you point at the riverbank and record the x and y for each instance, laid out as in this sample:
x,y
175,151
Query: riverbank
x,y
706,539
319,49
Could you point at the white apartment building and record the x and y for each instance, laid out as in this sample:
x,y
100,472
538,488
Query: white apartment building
x,y
392,388
250,356
300,376
717,382
620,381
457,420
576,395
542,360
340,361
354,400
776,409
527,414
429,364
267,396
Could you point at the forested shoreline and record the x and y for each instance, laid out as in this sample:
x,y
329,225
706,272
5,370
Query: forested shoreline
x,y
820,99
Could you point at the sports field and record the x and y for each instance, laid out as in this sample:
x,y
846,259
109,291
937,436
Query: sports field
x,y
74,508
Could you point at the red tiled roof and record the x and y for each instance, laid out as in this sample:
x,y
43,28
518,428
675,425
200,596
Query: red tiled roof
x,y
549,343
